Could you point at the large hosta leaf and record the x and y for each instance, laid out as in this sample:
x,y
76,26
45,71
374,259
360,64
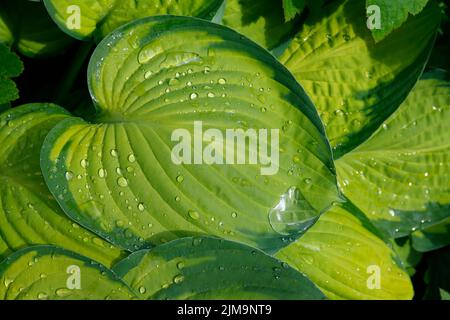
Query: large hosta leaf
x,y
51,273
355,83
26,26
342,253
206,268
84,19
261,21
28,213
116,175
400,177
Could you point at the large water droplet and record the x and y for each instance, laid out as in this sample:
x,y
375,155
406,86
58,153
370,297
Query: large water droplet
x,y
293,215
178,59
122,182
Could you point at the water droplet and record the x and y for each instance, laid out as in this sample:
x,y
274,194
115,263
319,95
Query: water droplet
x,y
180,179
180,265
102,173
222,81
141,207
211,95
178,279
193,96
114,153
308,181
84,163
122,182
142,290
178,59
132,158
63,292
148,74
194,215
42,296
234,214
69,175
293,214
339,113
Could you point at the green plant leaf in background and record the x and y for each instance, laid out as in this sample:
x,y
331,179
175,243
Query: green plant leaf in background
x,y
400,177
10,67
204,268
432,238
97,18
394,14
261,21
292,8
355,83
340,254
51,273
28,213
26,27
409,256
145,85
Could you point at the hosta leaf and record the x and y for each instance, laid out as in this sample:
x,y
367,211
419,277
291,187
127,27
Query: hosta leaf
x,y
27,28
51,273
432,238
341,255
97,18
206,268
400,177
394,13
28,213
261,21
355,83
10,67
146,84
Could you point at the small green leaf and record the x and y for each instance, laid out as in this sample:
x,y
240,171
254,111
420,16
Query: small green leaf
x,y
292,8
355,83
51,273
394,14
10,67
343,258
399,178
261,21
148,82
26,27
28,213
432,238
97,18
205,268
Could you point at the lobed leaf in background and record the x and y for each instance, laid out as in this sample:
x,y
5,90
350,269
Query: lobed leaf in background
x,y
10,67
145,85
44,273
204,268
261,21
340,253
292,8
355,83
394,13
32,32
400,176
29,215
97,18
